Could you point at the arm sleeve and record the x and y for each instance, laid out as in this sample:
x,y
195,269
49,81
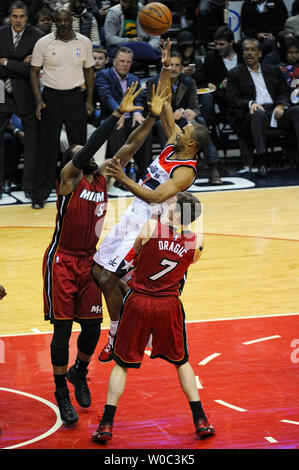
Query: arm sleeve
x,y
95,141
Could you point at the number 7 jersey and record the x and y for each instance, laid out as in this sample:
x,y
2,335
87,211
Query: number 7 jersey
x,y
163,261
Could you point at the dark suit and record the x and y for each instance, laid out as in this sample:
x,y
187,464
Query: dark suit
x,y
241,90
215,72
21,101
110,94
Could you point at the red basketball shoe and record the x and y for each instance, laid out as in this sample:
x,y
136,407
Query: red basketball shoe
x,y
204,428
103,433
106,354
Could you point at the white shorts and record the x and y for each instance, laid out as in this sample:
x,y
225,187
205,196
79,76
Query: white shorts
x,y
116,252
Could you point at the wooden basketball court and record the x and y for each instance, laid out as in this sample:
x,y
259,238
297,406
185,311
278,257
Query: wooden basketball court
x,y
241,302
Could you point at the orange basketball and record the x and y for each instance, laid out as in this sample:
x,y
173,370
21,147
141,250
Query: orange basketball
x,y
155,18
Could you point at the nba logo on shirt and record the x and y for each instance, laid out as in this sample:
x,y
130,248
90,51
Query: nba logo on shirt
x,y
57,259
78,52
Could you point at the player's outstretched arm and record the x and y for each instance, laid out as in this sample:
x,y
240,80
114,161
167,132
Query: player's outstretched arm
x,y
72,173
138,136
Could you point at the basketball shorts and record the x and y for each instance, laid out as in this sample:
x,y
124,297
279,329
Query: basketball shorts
x,y
116,252
143,315
69,291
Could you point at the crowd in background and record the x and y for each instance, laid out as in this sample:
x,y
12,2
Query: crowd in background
x,y
70,66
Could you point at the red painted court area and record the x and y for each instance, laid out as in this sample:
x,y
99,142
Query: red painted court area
x,y
249,392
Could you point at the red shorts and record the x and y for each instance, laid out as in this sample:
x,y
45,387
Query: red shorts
x,y
142,315
69,292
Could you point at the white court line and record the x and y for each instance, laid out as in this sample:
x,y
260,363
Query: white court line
x,y
190,321
53,429
229,405
198,384
271,439
290,422
208,359
262,339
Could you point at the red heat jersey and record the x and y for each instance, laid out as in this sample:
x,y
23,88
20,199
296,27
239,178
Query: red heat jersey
x,y
80,216
163,261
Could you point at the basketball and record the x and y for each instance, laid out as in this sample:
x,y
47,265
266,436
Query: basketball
x,y
155,18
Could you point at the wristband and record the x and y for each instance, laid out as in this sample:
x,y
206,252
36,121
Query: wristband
x,y
166,68
117,109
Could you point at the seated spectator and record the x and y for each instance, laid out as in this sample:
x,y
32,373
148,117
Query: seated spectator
x,y
224,57
193,66
14,141
292,23
83,21
122,28
186,108
209,11
99,9
262,20
111,84
274,57
44,20
187,12
100,55
290,61
260,99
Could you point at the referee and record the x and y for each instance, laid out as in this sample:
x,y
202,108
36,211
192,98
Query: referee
x,y
66,62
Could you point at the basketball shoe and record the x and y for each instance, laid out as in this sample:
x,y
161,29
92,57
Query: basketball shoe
x,y
203,428
78,379
67,412
106,354
103,433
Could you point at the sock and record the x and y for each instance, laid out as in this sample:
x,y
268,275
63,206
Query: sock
x,y
197,410
60,381
113,327
80,365
108,416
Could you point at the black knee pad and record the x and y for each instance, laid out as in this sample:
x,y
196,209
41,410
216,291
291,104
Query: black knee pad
x,y
60,343
88,337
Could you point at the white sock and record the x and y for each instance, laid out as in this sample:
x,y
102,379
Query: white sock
x,y
113,327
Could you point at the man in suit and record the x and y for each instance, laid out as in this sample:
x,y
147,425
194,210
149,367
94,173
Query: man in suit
x,y
111,84
260,98
17,40
224,57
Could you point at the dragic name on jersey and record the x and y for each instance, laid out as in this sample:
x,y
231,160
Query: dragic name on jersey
x,y
172,246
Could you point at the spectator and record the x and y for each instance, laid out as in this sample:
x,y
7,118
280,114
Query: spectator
x,y
111,84
44,20
100,55
83,21
292,23
186,108
67,62
224,57
289,65
14,140
17,40
262,20
193,66
122,28
260,98
273,57
99,9
209,11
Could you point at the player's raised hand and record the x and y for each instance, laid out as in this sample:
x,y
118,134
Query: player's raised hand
x,y
127,103
165,50
158,98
